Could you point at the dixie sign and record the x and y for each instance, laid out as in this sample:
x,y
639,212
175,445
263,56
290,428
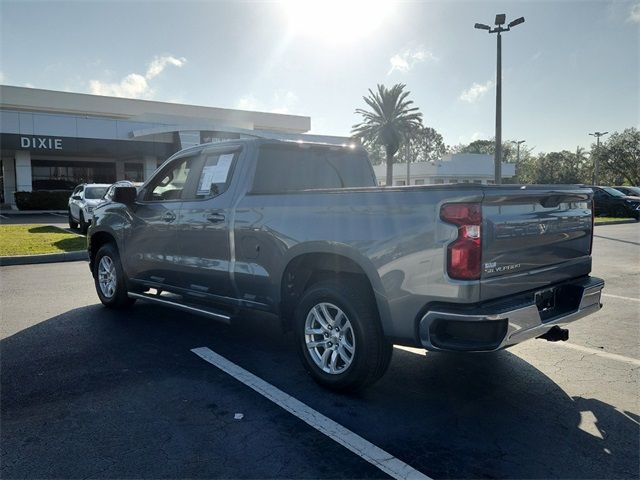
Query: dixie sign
x,y
41,143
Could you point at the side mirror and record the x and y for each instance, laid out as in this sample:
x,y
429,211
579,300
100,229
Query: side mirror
x,y
126,195
76,197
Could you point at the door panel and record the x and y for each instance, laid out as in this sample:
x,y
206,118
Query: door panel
x,y
204,228
151,246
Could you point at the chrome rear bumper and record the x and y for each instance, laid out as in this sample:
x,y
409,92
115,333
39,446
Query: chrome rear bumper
x,y
508,321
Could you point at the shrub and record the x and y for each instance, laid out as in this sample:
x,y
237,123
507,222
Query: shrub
x,y
43,200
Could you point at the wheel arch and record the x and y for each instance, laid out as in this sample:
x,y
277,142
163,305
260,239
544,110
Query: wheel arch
x,y
308,263
97,240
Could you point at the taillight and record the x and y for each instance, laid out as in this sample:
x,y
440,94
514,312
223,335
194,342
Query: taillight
x,y
464,253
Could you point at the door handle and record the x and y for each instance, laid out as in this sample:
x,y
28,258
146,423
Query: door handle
x,y
215,218
169,217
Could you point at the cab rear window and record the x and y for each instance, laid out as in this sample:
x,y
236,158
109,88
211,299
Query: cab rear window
x,y
294,168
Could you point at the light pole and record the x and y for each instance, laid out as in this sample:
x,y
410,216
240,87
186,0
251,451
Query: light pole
x,y
501,18
518,142
595,159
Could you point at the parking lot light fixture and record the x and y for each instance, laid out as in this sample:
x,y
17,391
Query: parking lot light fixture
x,y
518,143
500,20
595,159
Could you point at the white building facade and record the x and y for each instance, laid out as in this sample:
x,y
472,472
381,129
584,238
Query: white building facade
x,y
453,168
54,140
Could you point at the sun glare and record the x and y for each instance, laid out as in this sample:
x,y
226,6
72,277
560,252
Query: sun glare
x,y
337,21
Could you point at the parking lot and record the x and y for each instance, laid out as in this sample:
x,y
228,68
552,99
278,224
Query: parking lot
x,y
89,392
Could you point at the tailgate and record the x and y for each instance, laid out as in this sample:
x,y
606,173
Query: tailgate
x,y
533,236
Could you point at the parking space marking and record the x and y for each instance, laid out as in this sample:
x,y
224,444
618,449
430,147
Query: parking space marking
x,y
600,353
417,351
345,437
621,297
592,351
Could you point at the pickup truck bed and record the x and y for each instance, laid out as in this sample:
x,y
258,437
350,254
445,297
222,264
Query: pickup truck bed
x,y
302,231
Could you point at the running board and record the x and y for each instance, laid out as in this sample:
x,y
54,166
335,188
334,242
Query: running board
x,y
187,308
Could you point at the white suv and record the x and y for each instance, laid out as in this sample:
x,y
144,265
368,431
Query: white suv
x,y
82,201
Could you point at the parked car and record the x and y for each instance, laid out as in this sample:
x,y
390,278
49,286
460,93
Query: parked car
x,y
631,191
302,231
82,201
611,202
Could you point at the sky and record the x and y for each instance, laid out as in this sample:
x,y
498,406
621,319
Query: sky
x,y
572,68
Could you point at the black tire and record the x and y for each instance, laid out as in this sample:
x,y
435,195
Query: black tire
x,y
72,222
119,298
84,226
372,352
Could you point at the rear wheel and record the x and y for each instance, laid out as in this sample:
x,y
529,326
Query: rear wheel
x,y
339,336
109,278
72,222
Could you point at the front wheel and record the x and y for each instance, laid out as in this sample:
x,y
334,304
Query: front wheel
x,y
109,278
72,222
340,339
84,226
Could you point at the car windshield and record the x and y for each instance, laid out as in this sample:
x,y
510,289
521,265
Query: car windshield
x,y
613,191
635,191
93,193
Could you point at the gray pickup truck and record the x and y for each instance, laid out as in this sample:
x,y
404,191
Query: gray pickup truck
x,y
301,230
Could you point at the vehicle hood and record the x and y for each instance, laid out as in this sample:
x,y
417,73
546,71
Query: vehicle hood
x,y
93,202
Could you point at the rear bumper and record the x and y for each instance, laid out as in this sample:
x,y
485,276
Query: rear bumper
x,y
507,321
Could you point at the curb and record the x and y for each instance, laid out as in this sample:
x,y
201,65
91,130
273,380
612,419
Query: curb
x,y
45,258
617,222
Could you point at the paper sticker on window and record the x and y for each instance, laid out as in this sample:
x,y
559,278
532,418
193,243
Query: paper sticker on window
x,y
214,174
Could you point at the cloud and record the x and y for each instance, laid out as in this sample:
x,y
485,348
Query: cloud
x,y
476,91
634,13
406,60
282,101
477,136
136,85
158,64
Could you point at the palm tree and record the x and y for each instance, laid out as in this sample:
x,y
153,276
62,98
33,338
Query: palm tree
x,y
390,120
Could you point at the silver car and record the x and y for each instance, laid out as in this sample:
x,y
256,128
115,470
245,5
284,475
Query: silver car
x,y
82,202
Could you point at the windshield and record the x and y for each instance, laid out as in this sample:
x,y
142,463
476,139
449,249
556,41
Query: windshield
x,y
613,191
93,193
635,191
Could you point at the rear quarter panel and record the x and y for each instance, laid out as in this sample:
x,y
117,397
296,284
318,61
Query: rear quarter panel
x,y
394,234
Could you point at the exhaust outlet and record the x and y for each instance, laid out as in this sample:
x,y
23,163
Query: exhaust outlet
x,y
556,334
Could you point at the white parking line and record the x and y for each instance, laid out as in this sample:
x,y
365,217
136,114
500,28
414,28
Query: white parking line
x,y
345,437
600,353
621,298
592,351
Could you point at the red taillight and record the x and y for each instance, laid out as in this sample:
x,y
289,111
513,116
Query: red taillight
x,y
464,253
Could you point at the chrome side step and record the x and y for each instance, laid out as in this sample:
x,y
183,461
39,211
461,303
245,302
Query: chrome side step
x,y
187,308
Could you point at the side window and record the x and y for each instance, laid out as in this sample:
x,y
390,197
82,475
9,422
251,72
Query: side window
x,y
215,175
281,169
170,183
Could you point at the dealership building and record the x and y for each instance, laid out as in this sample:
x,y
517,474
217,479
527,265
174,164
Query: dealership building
x,y
452,168
54,140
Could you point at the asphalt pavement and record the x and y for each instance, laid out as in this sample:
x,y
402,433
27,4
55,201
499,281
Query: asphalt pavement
x,y
89,392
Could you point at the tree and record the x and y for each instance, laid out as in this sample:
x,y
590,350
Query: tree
x,y
488,147
388,122
425,145
619,158
554,167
